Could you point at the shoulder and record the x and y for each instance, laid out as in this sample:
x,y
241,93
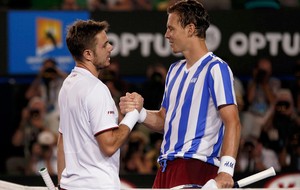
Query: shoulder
x,y
177,64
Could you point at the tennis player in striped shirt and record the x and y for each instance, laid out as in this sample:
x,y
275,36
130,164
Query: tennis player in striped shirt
x,y
198,115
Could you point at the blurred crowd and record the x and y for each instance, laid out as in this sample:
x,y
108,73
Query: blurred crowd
x,y
129,5
269,112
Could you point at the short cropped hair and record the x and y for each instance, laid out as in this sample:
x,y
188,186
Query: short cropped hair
x,y
81,36
191,12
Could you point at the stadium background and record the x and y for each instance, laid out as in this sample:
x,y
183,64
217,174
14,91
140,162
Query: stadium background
x,y
138,38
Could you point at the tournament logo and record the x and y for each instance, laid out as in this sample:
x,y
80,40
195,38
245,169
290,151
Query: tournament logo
x,y
49,34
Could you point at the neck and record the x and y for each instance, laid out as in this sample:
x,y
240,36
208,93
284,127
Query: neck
x,y
195,52
90,67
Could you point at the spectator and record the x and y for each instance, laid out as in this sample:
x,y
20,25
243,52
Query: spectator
x,y
153,152
239,93
47,84
254,157
70,5
217,4
133,157
162,5
295,87
119,5
128,5
111,77
43,154
152,90
282,126
294,152
93,5
33,122
261,97
290,3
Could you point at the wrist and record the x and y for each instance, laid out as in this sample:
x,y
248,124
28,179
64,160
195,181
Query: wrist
x,y
143,115
227,165
130,119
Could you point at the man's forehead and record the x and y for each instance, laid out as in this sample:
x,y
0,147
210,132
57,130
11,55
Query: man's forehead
x,y
173,19
101,37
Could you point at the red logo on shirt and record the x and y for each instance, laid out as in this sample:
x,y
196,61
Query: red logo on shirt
x,y
110,112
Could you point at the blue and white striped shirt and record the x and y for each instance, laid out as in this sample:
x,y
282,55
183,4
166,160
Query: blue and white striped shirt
x,y
193,127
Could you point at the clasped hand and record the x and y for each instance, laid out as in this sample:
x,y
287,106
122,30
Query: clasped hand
x,y
131,101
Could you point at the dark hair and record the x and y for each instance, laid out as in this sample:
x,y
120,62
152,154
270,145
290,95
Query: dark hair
x,y
81,36
191,12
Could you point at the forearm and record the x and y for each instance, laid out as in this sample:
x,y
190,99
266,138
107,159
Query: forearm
x,y
115,139
155,120
269,94
230,146
251,92
111,140
231,139
60,157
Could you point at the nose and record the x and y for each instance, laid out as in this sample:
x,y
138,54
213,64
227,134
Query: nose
x,y
167,34
111,47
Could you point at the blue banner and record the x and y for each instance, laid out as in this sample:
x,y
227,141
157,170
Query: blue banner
x,y
34,36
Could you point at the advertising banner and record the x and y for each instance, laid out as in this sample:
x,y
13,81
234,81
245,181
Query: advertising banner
x,y
3,49
239,37
34,36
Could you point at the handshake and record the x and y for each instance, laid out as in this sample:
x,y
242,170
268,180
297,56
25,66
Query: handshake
x,y
131,105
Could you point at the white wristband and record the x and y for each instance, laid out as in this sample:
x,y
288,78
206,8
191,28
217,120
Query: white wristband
x,y
143,115
130,119
227,165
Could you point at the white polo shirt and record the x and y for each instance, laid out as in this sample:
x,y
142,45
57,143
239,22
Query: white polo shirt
x,y
86,109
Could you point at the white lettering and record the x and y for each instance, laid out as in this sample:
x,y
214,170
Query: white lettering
x,y
126,43
257,42
145,40
213,38
114,40
161,46
274,39
129,42
289,46
238,44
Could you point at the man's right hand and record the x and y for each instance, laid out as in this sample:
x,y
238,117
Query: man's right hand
x,y
130,102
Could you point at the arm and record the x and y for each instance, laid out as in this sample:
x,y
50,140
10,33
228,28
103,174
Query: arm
x,y
269,93
251,91
60,157
153,119
111,140
230,117
34,88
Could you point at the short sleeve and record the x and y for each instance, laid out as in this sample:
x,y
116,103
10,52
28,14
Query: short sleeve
x,y
102,110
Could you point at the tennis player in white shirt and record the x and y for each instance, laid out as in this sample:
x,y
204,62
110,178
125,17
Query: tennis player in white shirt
x,y
89,133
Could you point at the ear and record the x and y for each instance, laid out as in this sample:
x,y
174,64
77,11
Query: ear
x,y
191,29
88,54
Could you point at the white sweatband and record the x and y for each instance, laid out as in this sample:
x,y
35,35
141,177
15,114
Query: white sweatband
x,y
143,115
227,165
130,118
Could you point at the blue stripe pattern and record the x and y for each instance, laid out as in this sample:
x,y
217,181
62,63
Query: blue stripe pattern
x,y
181,119
167,103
